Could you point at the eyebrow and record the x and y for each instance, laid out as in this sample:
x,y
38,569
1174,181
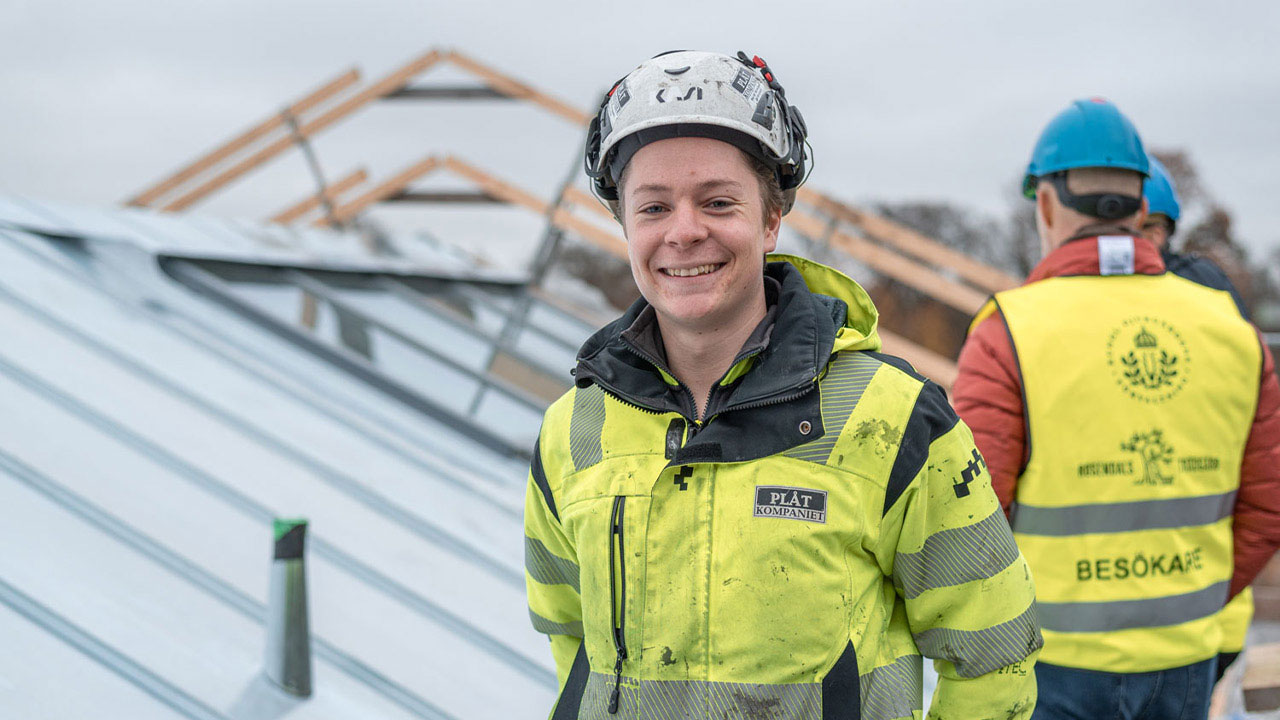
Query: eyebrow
x,y
703,186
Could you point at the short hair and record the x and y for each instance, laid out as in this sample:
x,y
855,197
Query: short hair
x,y
1097,180
771,193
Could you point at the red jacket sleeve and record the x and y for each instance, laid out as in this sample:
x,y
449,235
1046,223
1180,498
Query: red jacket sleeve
x,y
988,397
1257,513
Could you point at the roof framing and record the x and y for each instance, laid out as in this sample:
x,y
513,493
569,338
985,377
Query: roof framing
x,y
215,169
891,249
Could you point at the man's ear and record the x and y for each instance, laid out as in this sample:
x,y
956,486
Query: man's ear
x,y
1044,203
772,225
1141,217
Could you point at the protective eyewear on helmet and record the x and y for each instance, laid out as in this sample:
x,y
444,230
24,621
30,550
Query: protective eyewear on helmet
x,y
1107,206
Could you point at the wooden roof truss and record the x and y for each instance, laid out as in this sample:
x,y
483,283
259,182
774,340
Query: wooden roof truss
x,y
884,246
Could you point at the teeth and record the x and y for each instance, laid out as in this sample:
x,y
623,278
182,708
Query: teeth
x,y
691,272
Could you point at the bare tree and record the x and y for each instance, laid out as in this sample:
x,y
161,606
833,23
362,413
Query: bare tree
x,y
608,273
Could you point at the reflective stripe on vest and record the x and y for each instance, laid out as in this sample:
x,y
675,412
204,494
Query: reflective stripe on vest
x,y
1140,392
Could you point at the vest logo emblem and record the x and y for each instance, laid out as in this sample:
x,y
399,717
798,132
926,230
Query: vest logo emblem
x,y
774,501
1155,455
1148,359
1152,461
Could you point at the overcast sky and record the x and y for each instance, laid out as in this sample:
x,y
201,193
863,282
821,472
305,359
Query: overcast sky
x,y
904,100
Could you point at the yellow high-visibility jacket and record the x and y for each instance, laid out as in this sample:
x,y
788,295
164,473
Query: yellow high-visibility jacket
x,y
793,555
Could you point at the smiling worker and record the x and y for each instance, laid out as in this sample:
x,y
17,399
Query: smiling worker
x,y
742,509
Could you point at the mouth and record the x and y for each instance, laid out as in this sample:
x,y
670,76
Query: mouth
x,y
693,271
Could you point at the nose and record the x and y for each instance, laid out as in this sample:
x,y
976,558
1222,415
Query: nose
x,y
687,226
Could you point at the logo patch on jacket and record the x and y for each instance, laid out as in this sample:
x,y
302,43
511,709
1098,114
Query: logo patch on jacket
x,y
775,501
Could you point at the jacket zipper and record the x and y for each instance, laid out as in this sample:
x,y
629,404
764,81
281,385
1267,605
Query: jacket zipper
x,y
707,415
743,355
622,398
776,400
617,581
693,407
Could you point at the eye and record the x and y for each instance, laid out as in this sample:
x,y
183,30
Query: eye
x,y
652,209
721,204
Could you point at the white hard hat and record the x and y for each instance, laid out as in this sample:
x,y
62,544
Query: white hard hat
x,y
696,94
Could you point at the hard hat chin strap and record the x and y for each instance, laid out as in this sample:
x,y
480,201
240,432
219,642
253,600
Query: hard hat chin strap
x,y
1108,206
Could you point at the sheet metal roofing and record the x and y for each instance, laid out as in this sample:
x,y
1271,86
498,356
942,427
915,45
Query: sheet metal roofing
x,y
214,238
160,411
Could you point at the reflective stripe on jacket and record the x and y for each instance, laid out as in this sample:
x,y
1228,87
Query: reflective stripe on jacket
x,y
1140,395
790,557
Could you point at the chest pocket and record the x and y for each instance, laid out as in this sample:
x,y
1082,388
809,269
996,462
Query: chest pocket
x,y
785,535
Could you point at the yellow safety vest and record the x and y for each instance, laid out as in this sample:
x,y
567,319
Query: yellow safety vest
x,y
1140,391
1235,619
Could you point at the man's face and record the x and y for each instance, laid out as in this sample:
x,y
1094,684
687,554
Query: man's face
x,y
696,237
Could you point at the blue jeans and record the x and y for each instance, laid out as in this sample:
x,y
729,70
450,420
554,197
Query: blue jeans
x,y
1072,694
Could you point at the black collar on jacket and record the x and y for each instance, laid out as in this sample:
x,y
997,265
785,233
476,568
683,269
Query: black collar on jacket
x,y
788,360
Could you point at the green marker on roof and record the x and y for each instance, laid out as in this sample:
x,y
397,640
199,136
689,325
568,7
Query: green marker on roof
x,y
288,657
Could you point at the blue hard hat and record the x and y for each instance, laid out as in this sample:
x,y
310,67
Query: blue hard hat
x,y
1089,133
1162,196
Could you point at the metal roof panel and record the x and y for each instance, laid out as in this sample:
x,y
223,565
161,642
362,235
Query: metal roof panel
x,y
149,437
